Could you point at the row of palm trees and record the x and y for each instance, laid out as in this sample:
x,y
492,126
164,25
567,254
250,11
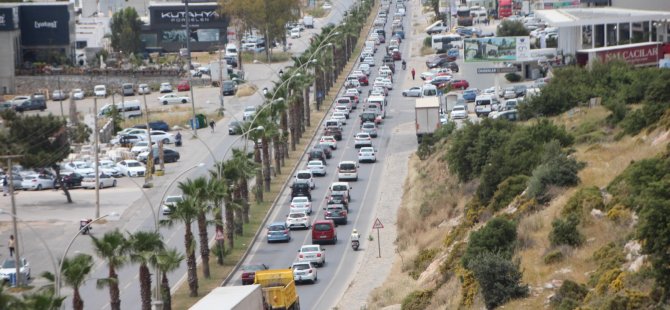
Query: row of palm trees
x,y
224,193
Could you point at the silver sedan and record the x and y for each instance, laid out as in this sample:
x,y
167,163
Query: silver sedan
x,y
412,92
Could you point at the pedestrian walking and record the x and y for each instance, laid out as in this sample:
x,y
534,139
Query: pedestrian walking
x,y
413,73
11,244
5,186
211,125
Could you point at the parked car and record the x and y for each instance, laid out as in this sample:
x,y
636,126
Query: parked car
x,y
169,156
159,135
278,231
249,113
8,269
459,84
470,94
31,104
235,128
59,95
229,88
155,125
100,91
105,180
249,272
183,86
78,94
37,182
173,98
80,167
131,168
170,203
70,180
165,88
143,89
459,112
109,167
412,92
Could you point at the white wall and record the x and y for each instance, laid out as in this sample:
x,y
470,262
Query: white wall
x,y
9,52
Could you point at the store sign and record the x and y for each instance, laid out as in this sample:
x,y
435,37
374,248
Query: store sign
x,y
639,55
199,16
9,18
45,25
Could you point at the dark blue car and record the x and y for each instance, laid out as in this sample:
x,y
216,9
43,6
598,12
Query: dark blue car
x,y
470,94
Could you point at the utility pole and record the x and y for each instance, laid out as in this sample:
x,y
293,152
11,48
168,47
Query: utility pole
x,y
96,132
60,92
150,157
10,182
221,67
188,71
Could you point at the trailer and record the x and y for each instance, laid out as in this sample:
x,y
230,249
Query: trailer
x,y
247,297
427,116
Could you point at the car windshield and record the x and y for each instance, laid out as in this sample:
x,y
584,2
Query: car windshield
x,y
314,164
134,164
30,177
312,248
304,175
173,199
10,263
347,166
296,215
250,109
300,200
339,188
301,266
367,149
276,227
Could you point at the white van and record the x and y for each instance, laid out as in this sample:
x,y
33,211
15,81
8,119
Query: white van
x,y
347,170
127,109
428,90
100,91
231,50
436,27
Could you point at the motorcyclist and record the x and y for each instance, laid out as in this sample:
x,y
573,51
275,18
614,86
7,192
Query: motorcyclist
x,y
404,64
354,235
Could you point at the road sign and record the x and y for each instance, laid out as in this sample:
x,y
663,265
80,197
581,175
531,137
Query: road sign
x,y
378,224
497,70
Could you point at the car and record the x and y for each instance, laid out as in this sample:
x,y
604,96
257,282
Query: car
x,y
459,112
37,182
16,179
509,93
369,128
158,125
459,84
345,101
35,103
301,189
298,219
336,132
105,180
330,141
470,94
304,271
312,253
326,149
109,167
235,128
336,213
169,156
131,168
365,68
427,75
444,119
369,60
278,231
353,94
452,52
8,269
170,203
520,90
367,154
17,100
165,88
183,86
70,180
78,94
249,113
347,170
7,105
229,88
340,188
396,55
412,92
306,177
362,139
436,61
301,204
343,109
249,272
140,147
159,135
80,167
100,91
295,33
173,98
317,167
143,89
317,154
370,116
327,6
440,80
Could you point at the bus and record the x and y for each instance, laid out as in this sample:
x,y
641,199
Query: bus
x,y
504,8
464,17
443,42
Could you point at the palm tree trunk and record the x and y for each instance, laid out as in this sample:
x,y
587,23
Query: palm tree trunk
x,y
306,107
77,302
284,152
204,244
239,216
259,172
165,293
277,154
190,262
230,222
115,298
244,190
294,127
265,144
145,287
218,216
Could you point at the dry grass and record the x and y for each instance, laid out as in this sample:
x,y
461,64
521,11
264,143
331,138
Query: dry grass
x,y
172,115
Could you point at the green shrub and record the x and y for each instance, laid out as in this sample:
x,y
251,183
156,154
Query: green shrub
x,y
628,186
509,28
553,257
428,41
608,257
557,169
417,300
513,77
421,262
507,191
639,119
583,201
570,295
498,278
497,236
565,232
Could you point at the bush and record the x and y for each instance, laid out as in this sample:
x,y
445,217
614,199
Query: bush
x,y
565,232
583,201
428,41
417,300
553,257
508,28
607,258
513,77
569,295
498,278
507,191
421,262
628,186
620,215
498,236
557,169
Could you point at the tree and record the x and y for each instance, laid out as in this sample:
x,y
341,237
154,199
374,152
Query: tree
x,y
113,247
510,28
167,261
74,273
186,212
498,236
42,140
125,26
197,189
498,278
654,231
143,246
216,191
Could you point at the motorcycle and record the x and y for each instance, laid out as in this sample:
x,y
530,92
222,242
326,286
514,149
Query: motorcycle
x,y
84,226
355,244
404,65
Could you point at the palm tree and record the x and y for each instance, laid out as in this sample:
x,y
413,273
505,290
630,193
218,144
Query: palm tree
x,y
39,300
8,301
198,190
216,191
245,170
74,274
143,246
186,212
113,247
167,261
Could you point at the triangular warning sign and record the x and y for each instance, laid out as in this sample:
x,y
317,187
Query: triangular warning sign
x,y
378,224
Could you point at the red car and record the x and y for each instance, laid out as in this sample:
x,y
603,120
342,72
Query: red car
x,y
363,79
183,86
249,272
396,55
459,84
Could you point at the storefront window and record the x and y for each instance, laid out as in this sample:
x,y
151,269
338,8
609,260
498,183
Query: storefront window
x,y
173,36
587,37
206,35
149,39
599,35
611,34
624,33
640,32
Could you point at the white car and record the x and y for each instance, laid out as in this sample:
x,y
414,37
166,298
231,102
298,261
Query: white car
x,y
295,33
301,204
249,112
327,6
173,98
435,72
159,135
109,167
100,91
304,271
298,219
340,117
165,88
78,94
312,253
8,269
170,201
330,141
143,89
106,180
37,182
141,146
365,68
342,109
305,176
381,83
459,112
317,167
362,139
369,61
131,168
367,154
80,167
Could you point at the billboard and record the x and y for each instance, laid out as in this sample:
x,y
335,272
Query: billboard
x,y
174,16
642,54
46,24
9,18
496,49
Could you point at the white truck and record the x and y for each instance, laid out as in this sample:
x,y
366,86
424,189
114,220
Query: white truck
x,y
246,297
427,116
308,21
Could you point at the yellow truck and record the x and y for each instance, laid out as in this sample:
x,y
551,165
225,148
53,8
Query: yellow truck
x,y
278,289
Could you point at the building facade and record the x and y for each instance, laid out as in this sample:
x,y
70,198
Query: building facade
x,y
10,36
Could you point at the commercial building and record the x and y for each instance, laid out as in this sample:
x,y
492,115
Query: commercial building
x,y
9,49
